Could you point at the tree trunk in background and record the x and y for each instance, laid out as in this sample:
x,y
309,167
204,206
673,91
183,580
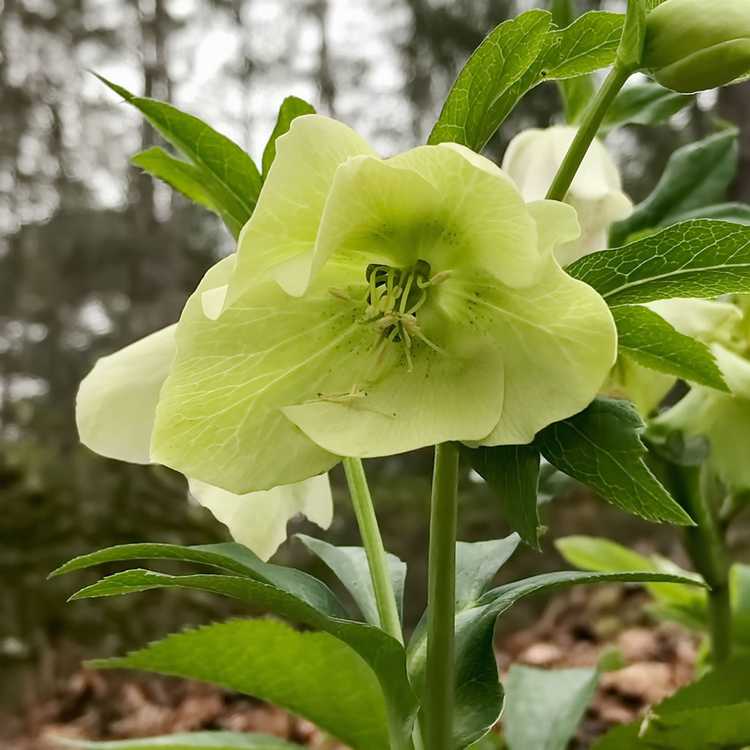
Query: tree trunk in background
x,y
319,11
734,105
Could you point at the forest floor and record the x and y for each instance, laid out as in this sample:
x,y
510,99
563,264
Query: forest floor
x,y
574,630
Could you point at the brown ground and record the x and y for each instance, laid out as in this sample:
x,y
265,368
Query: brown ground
x,y
573,631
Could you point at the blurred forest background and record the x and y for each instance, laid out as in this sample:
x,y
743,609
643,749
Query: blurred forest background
x,y
94,255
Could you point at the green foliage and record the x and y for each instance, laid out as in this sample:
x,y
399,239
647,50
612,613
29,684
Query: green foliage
x,y
229,175
312,674
713,712
351,567
517,56
699,258
512,471
644,104
291,108
652,342
192,741
630,51
696,176
602,448
544,707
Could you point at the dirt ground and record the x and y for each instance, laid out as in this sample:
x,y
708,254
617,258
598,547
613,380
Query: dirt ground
x,y
574,630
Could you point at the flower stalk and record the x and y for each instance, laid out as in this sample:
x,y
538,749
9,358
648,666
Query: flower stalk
x,y
590,124
439,684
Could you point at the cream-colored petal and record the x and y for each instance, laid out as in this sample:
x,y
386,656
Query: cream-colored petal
x,y
259,519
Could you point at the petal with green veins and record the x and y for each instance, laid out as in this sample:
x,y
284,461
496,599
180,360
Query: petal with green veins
x,y
285,222
259,519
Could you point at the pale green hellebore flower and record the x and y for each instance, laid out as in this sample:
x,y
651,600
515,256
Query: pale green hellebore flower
x,y
378,306
532,160
115,412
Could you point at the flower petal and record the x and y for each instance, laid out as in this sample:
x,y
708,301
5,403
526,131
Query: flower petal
x,y
219,417
259,519
483,219
558,340
117,400
706,320
282,231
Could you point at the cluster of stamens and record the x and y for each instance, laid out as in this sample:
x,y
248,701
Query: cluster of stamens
x,y
394,297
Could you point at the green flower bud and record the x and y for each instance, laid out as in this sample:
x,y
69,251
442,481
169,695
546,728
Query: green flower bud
x,y
694,45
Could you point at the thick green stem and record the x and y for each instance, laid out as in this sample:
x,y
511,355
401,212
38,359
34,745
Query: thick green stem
x,y
589,127
439,672
707,549
373,544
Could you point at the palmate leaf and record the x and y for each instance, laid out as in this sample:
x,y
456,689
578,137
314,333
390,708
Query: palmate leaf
x,y
517,56
696,176
512,471
382,654
602,448
479,693
699,258
652,342
229,175
351,567
191,741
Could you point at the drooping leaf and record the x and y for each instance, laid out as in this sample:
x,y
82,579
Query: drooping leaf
x,y
291,108
229,175
312,674
384,655
351,567
517,56
699,258
697,175
652,342
231,557
479,694
543,707
644,104
191,741
711,713
512,471
601,447
601,555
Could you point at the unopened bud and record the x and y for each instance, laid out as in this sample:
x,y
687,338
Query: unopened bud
x,y
694,45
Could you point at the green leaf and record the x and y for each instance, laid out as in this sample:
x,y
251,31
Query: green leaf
x,y
699,258
351,567
601,555
652,342
479,693
185,178
543,707
291,108
576,94
601,447
697,175
630,51
738,213
517,56
312,674
383,654
512,471
477,563
711,713
231,557
229,174
644,104
192,741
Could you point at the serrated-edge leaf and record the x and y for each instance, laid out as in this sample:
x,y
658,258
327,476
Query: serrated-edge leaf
x,y
186,741
231,557
699,258
512,471
312,674
383,654
602,447
654,343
